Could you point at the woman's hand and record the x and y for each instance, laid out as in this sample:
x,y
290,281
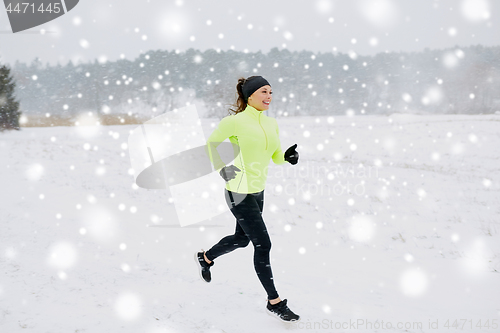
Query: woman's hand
x,y
228,173
291,155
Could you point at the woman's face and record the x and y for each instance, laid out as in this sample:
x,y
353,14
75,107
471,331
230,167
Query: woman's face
x,y
261,98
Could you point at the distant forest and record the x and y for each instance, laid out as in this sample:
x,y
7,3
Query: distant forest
x,y
459,80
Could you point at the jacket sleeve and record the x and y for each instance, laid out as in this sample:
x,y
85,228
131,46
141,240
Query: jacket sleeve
x,y
278,155
224,130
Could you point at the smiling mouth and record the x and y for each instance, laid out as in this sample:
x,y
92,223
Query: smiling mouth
x,y
266,102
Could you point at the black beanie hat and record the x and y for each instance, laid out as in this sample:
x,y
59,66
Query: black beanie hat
x,y
252,84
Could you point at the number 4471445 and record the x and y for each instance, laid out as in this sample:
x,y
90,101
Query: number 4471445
x,y
464,323
50,7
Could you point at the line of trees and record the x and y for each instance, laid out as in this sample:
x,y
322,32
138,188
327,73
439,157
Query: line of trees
x,y
449,81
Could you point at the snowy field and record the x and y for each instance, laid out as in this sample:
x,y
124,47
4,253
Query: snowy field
x,y
391,219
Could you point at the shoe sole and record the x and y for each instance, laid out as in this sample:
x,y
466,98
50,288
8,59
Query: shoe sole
x,y
198,266
274,315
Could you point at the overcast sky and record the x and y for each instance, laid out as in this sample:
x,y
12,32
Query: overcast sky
x,y
125,28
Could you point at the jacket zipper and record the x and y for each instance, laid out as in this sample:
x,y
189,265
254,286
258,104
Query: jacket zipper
x,y
263,129
242,166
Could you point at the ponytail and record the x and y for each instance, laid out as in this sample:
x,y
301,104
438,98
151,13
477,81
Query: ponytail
x,y
240,104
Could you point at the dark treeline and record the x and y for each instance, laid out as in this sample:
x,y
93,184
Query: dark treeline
x,y
456,80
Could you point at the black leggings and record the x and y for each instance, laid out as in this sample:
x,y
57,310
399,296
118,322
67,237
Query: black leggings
x,y
247,208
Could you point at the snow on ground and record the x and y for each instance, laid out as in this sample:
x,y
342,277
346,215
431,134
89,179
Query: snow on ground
x,y
384,218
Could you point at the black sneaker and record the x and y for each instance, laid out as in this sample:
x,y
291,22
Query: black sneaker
x,y
203,266
282,312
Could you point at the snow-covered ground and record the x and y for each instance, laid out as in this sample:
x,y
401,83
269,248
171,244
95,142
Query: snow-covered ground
x,y
412,237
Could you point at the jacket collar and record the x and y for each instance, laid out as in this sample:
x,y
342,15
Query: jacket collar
x,y
250,110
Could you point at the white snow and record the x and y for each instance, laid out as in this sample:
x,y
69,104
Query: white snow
x,y
450,60
414,282
475,10
383,232
380,13
62,255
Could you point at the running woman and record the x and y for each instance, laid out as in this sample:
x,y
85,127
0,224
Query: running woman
x,y
257,137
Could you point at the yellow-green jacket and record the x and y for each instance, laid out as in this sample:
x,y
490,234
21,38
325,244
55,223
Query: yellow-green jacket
x,y
257,137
